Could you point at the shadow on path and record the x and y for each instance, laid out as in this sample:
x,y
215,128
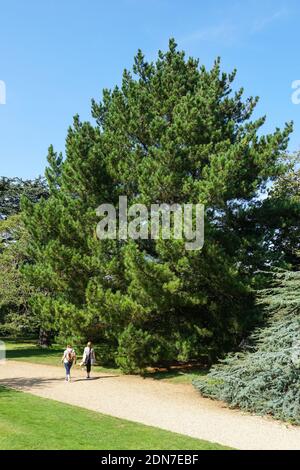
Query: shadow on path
x,y
27,383
87,380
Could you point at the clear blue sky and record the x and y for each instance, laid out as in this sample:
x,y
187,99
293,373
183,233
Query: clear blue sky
x,y
55,55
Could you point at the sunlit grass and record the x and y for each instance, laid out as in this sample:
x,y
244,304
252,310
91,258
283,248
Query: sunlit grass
x,y
31,423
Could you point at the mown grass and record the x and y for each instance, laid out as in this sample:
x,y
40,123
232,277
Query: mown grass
x,y
29,351
28,422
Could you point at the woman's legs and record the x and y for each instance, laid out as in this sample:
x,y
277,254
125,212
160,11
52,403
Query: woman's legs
x,y
88,369
67,370
68,366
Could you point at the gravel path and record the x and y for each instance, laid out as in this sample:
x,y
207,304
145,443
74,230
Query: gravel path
x,y
175,407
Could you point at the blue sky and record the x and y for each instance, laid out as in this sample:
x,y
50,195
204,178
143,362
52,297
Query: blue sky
x,y
56,55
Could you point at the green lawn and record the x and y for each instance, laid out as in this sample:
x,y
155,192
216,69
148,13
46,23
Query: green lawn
x,y
29,422
28,351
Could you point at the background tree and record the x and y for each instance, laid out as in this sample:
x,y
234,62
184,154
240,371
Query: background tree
x,y
12,190
269,228
16,317
15,292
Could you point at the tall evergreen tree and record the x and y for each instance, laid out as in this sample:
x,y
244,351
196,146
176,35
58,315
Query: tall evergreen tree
x,y
174,132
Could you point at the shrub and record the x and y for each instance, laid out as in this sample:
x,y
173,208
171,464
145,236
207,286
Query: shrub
x,y
265,379
137,350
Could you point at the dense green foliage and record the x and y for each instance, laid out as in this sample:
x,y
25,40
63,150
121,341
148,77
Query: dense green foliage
x,y
16,317
265,378
15,291
174,132
13,189
272,226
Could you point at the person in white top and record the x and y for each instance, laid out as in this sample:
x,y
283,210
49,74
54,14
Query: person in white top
x,y
88,358
68,358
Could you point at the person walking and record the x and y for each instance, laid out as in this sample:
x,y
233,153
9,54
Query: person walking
x,y
88,358
68,358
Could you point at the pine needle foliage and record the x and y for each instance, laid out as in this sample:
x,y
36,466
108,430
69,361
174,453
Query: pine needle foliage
x,y
171,132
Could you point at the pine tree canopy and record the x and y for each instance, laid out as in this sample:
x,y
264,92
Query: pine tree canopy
x,y
172,132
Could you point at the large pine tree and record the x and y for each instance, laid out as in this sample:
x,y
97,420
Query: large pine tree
x,y
173,132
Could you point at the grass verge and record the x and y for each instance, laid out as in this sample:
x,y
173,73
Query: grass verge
x,y
28,422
